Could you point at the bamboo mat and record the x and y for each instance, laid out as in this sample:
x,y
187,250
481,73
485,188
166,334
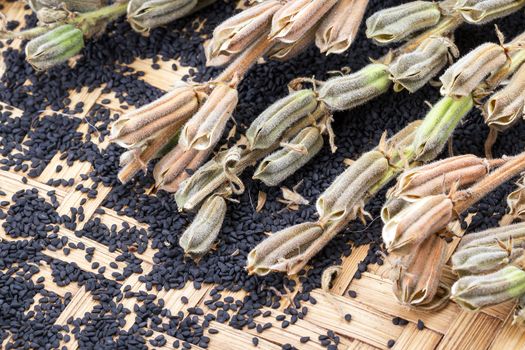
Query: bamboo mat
x,y
372,310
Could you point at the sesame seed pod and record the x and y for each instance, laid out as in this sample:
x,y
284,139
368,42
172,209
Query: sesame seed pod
x,y
478,291
483,259
516,204
438,125
281,164
135,128
295,18
282,52
519,312
392,207
348,190
211,118
507,105
54,47
238,32
399,22
416,222
50,15
515,232
418,284
483,11
469,71
199,237
71,5
271,124
339,28
349,91
272,253
144,15
438,177
413,70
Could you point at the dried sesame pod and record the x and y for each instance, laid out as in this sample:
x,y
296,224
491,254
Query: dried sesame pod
x,y
392,207
516,204
272,253
199,237
349,91
414,69
349,189
439,177
281,164
238,32
144,15
483,11
339,28
514,233
483,259
507,105
54,47
399,22
421,219
71,5
418,282
49,15
282,51
438,125
478,291
135,128
469,71
295,18
519,312
205,128
271,124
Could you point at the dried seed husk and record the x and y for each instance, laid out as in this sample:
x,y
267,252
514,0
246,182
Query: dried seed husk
x,y
439,177
395,145
416,222
281,164
519,312
71,5
418,282
515,232
483,259
339,28
238,32
271,124
412,70
392,207
438,125
295,18
282,51
202,183
469,71
206,127
483,11
133,129
479,291
144,15
398,23
350,188
272,253
516,204
50,15
349,91
507,105
200,236
54,47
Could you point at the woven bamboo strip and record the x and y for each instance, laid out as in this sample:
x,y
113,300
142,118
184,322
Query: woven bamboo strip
x,y
348,269
413,338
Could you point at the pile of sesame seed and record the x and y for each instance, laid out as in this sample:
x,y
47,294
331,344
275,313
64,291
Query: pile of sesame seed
x,y
29,141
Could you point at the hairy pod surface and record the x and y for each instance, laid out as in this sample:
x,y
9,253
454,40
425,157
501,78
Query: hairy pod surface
x,y
144,15
490,237
483,259
283,163
483,11
54,47
349,91
398,23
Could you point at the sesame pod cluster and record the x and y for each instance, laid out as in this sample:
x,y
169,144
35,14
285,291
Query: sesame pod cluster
x,y
54,47
507,105
281,164
438,126
400,22
418,282
273,253
460,79
240,31
349,91
349,189
479,291
199,237
418,221
414,69
483,11
272,123
144,15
